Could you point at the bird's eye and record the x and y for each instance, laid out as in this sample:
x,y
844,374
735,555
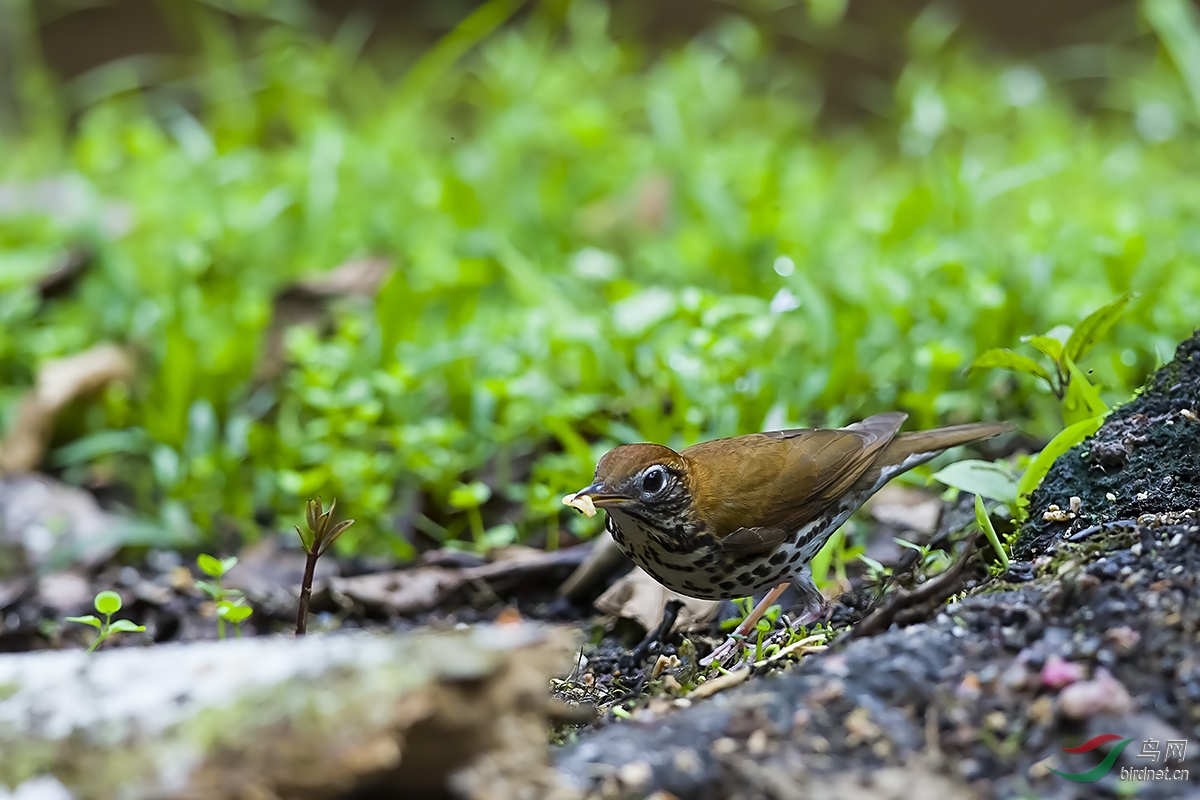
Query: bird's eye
x,y
654,480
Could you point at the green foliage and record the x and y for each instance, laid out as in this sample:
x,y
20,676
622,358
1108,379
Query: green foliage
x,y
1080,399
592,246
106,603
993,480
985,524
320,531
932,560
230,603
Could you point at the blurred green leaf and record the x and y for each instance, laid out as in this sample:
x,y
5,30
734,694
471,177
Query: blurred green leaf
x,y
233,612
470,495
1094,327
985,525
1007,359
210,565
210,589
985,478
1082,401
108,602
1047,345
125,626
87,620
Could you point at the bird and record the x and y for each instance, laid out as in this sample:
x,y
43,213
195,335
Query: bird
x,y
737,516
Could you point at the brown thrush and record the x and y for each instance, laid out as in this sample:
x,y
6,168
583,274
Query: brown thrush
x,y
734,517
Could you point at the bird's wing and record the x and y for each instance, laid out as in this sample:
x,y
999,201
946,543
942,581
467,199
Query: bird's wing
x,y
783,480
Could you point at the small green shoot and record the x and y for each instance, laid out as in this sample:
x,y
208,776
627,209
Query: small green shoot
x,y
319,536
933,560
876,572
231,606
1078,396
235,612
985,524
107,603
470,497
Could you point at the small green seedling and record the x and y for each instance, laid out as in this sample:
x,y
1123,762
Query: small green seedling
x,y
876,571
985,525
320,535
230,602
233,611
470,497
1070,385
933,560
107,603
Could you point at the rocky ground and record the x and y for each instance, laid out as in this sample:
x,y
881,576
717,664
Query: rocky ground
x,y
1096,630
1093,630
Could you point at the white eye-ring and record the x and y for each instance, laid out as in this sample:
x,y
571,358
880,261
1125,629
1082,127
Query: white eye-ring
x,y
654,480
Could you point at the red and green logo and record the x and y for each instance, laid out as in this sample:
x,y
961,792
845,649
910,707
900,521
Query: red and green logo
x,y
1100,770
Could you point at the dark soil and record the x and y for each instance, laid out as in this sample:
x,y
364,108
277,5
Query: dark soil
x,y
1147,457
1096,635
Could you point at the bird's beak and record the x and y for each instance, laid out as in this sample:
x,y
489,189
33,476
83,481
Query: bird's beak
x,y
602,498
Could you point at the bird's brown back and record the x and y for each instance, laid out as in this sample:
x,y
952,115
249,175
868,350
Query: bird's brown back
x,y
785,479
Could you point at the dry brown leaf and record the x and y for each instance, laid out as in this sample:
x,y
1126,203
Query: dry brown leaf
x,y
407,591
639,597
361,276
59,382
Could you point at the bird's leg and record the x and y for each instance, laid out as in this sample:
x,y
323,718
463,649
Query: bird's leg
x,y
815,606
659,634
748,624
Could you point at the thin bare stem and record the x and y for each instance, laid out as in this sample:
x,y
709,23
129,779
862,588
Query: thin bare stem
x,y
310,567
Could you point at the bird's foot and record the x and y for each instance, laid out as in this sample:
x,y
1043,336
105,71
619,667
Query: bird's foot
x,y
658,636
818,611
743,630
722,654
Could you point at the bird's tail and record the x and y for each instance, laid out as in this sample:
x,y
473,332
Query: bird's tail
x,y
908,450
935,441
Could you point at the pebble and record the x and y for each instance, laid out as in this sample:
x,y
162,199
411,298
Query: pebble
x,y
724,746
968,687
1104,694
1058,672
1042,711
634,774
1015,677
688,762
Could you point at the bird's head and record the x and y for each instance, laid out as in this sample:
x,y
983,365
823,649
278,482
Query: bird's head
x,y
649,481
